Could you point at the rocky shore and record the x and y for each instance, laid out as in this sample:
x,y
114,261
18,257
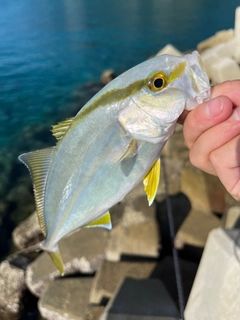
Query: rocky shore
x,y
124,273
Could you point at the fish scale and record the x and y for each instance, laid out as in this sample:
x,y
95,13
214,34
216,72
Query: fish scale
x,y
112,144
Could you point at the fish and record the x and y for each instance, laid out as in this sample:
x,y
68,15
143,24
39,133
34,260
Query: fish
x,y
112,144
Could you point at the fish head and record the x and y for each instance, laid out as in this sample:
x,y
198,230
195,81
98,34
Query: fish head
x,y
169,85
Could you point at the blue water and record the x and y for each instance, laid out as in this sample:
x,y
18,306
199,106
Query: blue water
x,y
47,47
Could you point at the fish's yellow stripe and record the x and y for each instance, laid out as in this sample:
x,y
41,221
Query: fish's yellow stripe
x,y
177,71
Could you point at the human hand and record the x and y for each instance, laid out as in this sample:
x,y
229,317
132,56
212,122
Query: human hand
x,y
212,133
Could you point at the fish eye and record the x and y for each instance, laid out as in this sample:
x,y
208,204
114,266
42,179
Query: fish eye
x,y
157,82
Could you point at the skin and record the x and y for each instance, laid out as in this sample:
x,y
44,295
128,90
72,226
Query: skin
x,y
212,134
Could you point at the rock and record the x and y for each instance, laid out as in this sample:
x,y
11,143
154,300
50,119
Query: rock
x,y
107,76
237,35
82,251
169,49
220,37
215,293
12,286
111,274
224,69
195,229
141,299
66,299
205,192
28,232
94,312
232,218
137,234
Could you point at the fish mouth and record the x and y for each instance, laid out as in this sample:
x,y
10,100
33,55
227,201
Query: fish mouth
x,y
200,86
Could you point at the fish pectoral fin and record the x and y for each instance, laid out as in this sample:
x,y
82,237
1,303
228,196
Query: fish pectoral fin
x,y
59,129
38,163
151,181
57,259
130,152
104,222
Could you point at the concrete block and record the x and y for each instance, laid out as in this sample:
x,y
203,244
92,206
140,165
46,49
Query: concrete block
x,y
205,192
28,232
195,229
111,274
170,49
82,251
142,300
237,35
93,312
12,286
66,299
210,56
232,218
220,37
224,69
137,234
216,291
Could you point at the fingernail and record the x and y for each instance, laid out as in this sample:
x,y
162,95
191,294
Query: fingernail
x,y
214,107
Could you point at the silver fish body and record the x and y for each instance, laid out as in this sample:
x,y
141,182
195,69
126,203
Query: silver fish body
x,y
112,143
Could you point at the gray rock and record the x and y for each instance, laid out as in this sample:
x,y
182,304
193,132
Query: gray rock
x,y
66,299
94,312
12,286
137,233
233,218
28,232
141,299
195,229
107,76
111,274
205,192
82,251
216,293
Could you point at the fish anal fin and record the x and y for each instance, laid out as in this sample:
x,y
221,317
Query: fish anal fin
x,y
130,152
151,181
57,259
59,130
104,222
38,163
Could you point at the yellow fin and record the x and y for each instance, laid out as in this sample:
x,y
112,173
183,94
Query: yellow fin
x,y
59,130
131,150
57,259
151,181
104,222
38,163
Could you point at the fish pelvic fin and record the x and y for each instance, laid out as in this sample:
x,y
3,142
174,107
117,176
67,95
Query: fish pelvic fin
x,y
55,255
104,222
38,163
151,181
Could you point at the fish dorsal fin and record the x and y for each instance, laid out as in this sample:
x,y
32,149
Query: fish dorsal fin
x,y
151,181
104,222
38,163
59,130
